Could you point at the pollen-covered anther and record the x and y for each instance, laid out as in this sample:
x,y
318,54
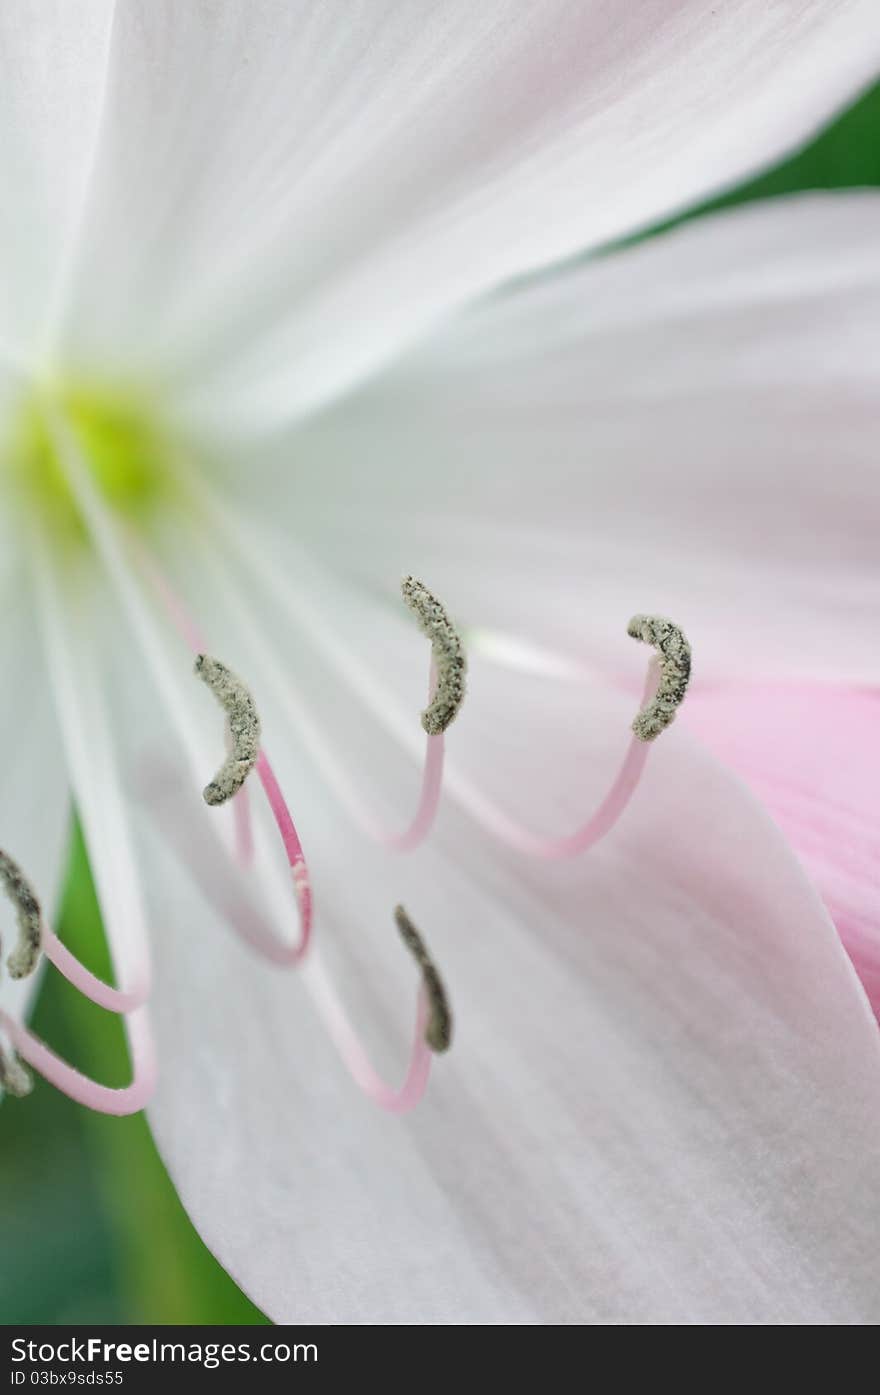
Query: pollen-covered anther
x,y
244,728
24,958
438,1032
674,659
15,1078
448,654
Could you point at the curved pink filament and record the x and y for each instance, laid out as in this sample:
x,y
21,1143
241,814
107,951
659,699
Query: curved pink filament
x,y
600,823
495,821
81,1088
401,1100
274,950
394,1100
113,999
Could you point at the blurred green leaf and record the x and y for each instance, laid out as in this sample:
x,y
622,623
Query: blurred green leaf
x,y
845,156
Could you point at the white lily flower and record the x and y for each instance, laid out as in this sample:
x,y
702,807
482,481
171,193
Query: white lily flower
x,y
250,372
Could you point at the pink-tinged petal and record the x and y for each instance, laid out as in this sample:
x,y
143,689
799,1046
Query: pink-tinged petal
x,y
811,754
688,427
288,192
662,1103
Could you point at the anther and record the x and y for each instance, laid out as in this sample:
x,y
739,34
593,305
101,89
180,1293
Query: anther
x,y
448,652
438,1032
675,671
23,959
244,728
15,1078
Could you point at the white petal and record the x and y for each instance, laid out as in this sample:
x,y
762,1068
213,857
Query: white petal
x,y
288,192
70,613
34,793
663,1102
53,59
688,428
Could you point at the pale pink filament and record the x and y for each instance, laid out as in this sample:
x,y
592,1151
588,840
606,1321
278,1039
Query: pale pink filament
x,y
113,999
268,945
407,1096
81,1088
496,822
65,1077
345,1037
600,823
342,1032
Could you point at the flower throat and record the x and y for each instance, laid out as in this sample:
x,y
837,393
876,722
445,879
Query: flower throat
x,y
129,454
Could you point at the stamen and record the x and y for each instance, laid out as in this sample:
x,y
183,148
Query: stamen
x,y
299,871
244,728
448,653
23,959
14,1078
438,1030
675,671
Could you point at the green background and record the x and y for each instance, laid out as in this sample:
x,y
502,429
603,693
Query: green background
x,y
92,1231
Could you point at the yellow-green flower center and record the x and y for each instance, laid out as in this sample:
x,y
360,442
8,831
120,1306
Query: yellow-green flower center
x,y
119,437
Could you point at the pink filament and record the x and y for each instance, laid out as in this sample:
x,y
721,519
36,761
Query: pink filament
x,y
81,1088
432,783
71,1082
600,823
495,821
408,1095
113,999
66,1078
273,949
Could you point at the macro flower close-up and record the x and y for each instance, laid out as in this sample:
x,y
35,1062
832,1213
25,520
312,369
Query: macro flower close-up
x,y
439,567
